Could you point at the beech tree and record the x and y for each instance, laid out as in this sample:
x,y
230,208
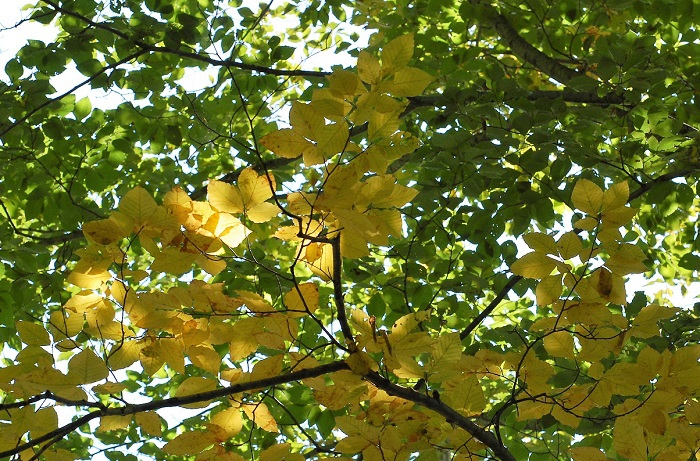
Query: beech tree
x,y
439,245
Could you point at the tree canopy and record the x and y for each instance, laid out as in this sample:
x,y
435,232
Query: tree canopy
x,y
213,246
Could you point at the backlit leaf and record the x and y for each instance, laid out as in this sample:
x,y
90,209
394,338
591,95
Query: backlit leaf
x,y
86,367
534,265
397,53
410,81
587,197
138,204
559,344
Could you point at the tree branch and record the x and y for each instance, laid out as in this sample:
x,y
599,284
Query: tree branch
x,y
186,54
492,305
644,188
48,102
179,401
451,415
522,48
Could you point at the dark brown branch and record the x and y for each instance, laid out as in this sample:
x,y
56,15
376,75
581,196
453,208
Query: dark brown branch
x,y
489,309
663,178
444,410
186,54
179,401
338,294
522,48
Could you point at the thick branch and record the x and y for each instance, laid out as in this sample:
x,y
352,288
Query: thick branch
x,y
179,401
451,415
644,188
523,49
338,293
492,305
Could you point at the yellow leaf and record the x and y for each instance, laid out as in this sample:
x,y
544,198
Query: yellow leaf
x,y
536,373
244,342
352,444
587,223
540,242
382,125
568,418
587,197
302,300
109,388
224,197
305,120
616,196
535,265
231,375
569,245
179,203
368,68
230,420
255,189
89,278
611,287
287,143
211,264
138,204
85,368
360,363
323,266
588,454
397,53
559,344
32,333
267,368
205,357
113,423
445,356
396,195
353,245
618,217
228,228
548,290
44,420
280,452
628,439
263,212
260,415
409,81
330,139
344,83
103,231
173,261
626,259
467,397
645,324
149,422
190,443
124,354
195,385
692,411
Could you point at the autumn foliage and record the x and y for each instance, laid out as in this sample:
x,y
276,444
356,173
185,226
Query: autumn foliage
x,y
331,298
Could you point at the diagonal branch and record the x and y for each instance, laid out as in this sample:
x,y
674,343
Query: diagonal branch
x,y
522,48
179,401
451,415
50,101
146,47
489,309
